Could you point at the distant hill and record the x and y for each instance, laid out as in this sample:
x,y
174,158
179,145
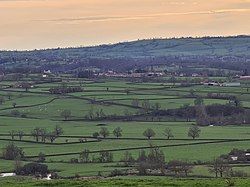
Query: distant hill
x,y
235,48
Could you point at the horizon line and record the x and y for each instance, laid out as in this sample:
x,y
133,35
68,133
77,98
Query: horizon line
x,y
126,41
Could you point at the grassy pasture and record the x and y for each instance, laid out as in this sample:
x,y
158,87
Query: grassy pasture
x,y
43,110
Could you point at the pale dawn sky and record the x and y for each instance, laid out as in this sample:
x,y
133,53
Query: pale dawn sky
x,y
30,24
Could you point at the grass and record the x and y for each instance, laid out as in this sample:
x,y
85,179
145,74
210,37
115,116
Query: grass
x,y
136,182
47,115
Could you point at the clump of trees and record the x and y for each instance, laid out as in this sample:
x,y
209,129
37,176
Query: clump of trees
x,y
155,160
65,89
95,115
41,134
33,169
84,157
180,168
220,167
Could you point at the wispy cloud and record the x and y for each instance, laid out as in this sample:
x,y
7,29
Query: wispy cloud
x,y
145,16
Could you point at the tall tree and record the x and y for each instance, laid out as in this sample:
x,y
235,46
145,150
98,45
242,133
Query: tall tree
x,y
20,134
149,133
117,132
66,114
168,133
84,156
194,131
104,132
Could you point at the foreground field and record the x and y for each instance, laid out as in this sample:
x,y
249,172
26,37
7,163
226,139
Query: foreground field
x,y
136,182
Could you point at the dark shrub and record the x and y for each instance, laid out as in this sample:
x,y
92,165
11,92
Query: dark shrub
x,y
33,169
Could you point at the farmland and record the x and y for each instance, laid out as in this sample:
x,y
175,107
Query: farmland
x,y
37,107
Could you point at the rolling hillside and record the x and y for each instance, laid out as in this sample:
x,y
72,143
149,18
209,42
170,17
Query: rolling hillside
x,y
234,48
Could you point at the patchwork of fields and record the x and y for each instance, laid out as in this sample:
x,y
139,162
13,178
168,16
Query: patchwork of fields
x,y
39,108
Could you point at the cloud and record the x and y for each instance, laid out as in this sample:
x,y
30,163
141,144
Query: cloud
x,y
145,16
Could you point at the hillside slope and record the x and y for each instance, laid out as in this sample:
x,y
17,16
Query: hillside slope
x,y
234,47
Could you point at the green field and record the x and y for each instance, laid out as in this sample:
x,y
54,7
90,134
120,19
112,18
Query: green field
x,y
136,182
42,109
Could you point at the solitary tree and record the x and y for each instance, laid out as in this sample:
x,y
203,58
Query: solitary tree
x,y
84,156
194,132
26,86
12,152
117,132
20,134
66,114
104,132
168,133
12,134
149,133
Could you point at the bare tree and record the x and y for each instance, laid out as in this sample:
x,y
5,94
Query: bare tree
x,y
43,134
66,114
84,156
20,134
12,134
117,132
194,132
168,133
51,136
220,167
36,133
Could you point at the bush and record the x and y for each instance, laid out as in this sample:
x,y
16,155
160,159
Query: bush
x,y
116,172
95,135
74,160
33,169
239,174
15,113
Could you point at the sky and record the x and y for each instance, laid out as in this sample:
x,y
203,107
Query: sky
x,y
39,24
